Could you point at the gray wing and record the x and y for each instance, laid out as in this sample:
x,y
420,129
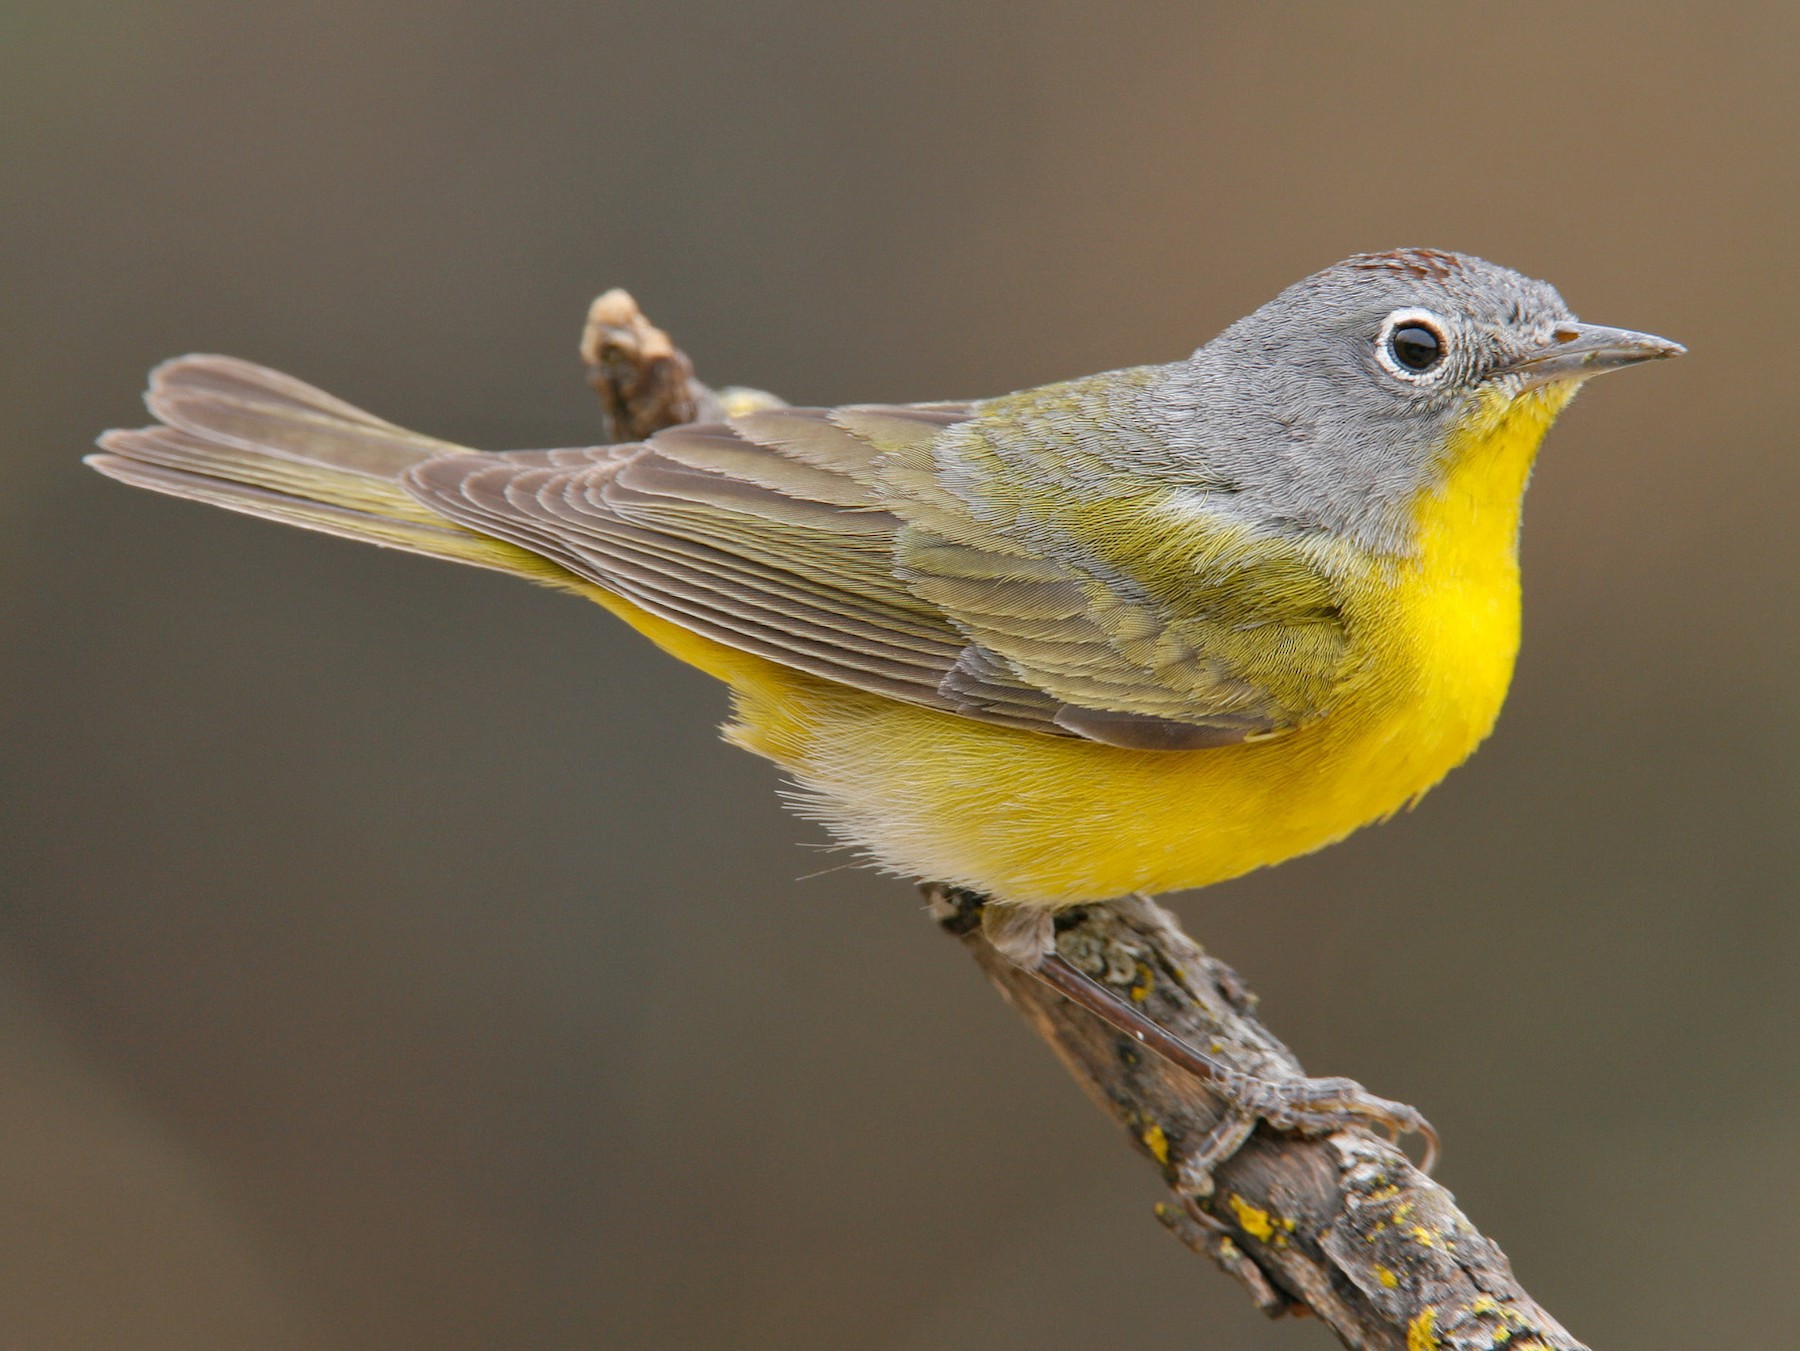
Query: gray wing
x,y
763,534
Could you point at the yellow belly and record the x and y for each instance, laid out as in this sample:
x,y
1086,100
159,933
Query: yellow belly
x,y
1056,821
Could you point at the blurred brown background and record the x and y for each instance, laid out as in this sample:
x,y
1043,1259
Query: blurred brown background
x,y
391,957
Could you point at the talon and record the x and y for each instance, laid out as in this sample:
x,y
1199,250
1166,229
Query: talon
x,y
1318,1106
1310,1106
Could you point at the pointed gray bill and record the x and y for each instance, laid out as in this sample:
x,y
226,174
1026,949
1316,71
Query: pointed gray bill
x,y
1576,351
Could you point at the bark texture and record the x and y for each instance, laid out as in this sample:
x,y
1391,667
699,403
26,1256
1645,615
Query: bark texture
x,y
1341,1226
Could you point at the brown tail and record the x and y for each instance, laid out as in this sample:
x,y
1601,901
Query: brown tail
x,y
250,439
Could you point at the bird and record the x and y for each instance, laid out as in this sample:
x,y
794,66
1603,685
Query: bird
x,y
1136,632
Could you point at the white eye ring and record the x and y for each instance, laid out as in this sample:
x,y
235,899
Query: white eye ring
x,y
1389,359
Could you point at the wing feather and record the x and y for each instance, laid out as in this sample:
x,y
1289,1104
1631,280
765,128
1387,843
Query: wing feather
x,y
790,578
859,544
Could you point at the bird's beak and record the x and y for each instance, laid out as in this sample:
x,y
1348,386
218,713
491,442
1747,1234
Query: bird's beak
x,y
1577,351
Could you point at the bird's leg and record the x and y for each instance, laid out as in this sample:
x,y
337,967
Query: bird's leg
x,y
1026,936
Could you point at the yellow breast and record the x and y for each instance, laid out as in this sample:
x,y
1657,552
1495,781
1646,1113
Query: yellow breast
x,y
1046,820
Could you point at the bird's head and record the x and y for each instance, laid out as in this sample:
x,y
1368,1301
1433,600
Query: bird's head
x,y
1343,398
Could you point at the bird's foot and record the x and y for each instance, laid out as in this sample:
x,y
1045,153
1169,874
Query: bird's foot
x,y
1300,1106
1320,1106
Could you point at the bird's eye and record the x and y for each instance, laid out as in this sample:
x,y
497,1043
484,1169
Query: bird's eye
x,y
1416,347
1412,344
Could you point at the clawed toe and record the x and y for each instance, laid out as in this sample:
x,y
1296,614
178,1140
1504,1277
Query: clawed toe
x,y
1306,1106
1317,1106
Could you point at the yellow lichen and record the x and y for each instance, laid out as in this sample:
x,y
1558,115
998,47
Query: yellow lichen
x,y
1386,1277
1421,1333
1252,1220
1146,982
1156,1142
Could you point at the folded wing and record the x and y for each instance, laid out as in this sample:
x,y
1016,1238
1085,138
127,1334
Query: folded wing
x,y
821,539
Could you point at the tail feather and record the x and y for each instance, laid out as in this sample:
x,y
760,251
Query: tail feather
x,y
250,439
253,408
142,471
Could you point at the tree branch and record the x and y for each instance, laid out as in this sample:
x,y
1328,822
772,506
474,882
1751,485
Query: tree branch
x,y
1340,1226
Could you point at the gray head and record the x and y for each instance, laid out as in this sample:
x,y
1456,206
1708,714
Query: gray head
x,y
1335,403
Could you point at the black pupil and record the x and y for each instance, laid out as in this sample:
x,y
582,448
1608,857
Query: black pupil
x,y
1416,347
